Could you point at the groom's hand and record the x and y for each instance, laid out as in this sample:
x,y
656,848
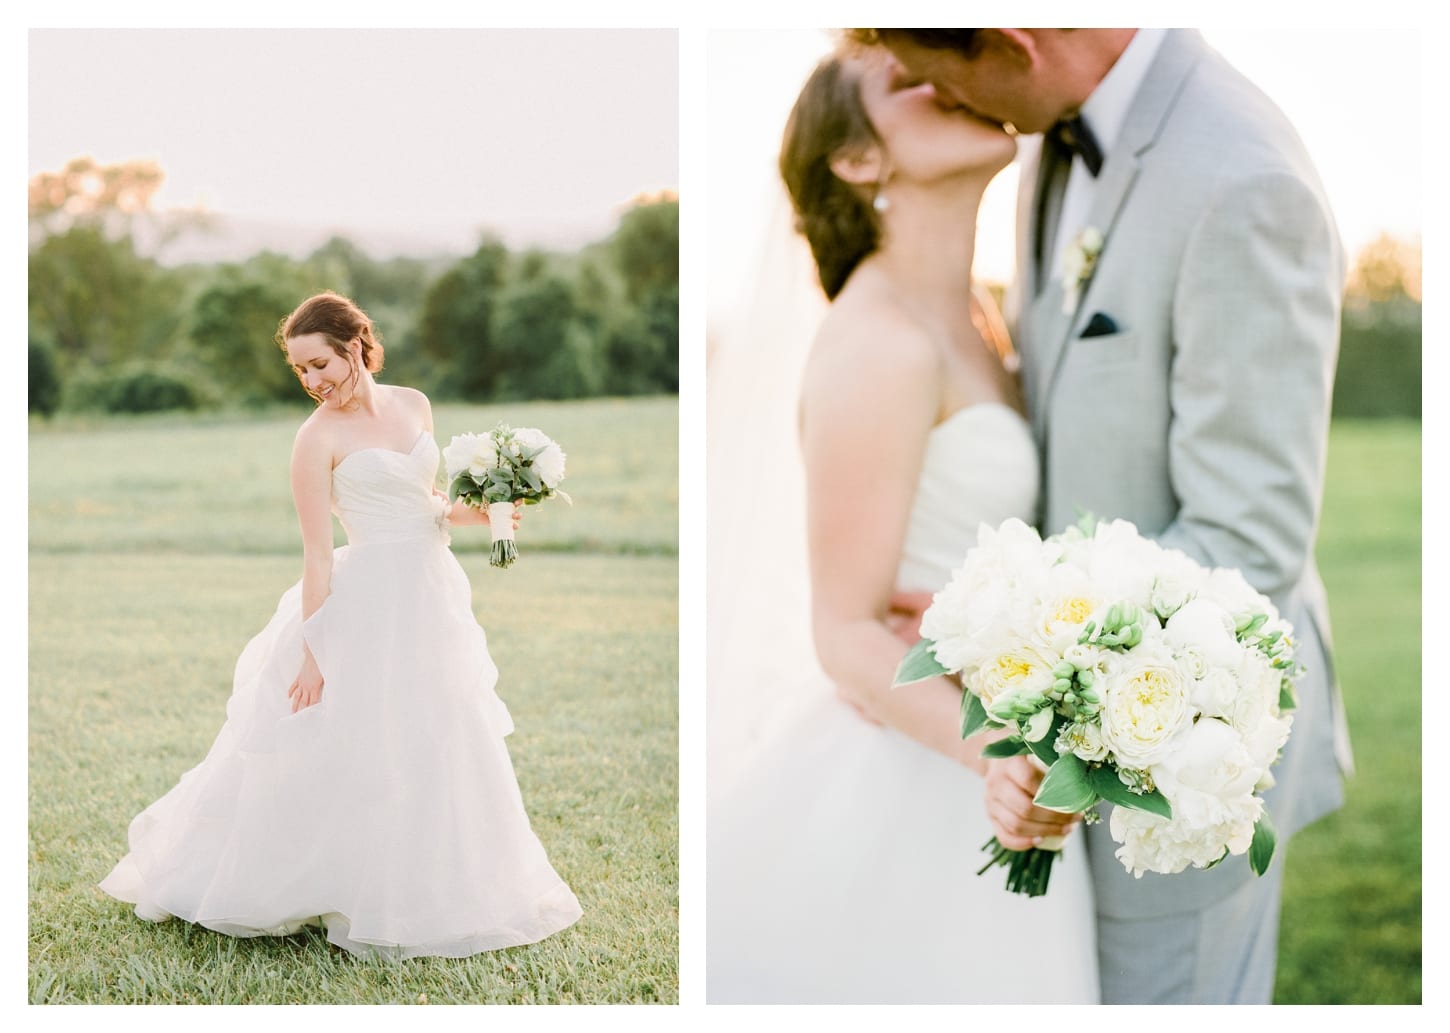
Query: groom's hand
x,y
1012,782
904,615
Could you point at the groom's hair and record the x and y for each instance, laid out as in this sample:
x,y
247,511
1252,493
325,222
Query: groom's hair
x,y
963,41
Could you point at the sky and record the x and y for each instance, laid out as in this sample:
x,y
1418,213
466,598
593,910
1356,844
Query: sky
x,y
540,135
1355,96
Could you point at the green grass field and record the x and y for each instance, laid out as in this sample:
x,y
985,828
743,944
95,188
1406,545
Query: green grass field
x,y
1351,929
160,546
147,578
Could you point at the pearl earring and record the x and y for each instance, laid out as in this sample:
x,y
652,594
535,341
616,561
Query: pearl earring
x,y
880,203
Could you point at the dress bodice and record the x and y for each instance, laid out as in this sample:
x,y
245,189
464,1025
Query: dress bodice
x,y
980,466
381,495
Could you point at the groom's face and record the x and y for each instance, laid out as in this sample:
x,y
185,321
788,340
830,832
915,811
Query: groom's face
x,y
993,81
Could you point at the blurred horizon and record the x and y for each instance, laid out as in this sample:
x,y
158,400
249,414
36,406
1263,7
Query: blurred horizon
x,y
414,142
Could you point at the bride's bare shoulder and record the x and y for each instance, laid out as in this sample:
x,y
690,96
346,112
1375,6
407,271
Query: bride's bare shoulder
x,y
868,338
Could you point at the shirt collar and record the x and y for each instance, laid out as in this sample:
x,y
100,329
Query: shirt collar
x,y
1106,108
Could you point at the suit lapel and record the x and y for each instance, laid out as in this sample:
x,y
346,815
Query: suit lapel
x,y
1051,328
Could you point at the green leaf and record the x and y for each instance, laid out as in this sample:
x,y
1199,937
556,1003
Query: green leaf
x,y
1044,748
463,484
918,664
1287,700
1261,850
531,478
1105,783
1066,787
1008,747
975,716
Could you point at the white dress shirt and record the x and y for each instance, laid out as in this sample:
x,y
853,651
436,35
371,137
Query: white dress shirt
x,y
1104,112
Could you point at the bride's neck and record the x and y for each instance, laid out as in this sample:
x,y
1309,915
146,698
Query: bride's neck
x,y
928,244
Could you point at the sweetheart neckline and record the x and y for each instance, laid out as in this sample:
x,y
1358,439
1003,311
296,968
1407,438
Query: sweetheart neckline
x,y
972,408
382,448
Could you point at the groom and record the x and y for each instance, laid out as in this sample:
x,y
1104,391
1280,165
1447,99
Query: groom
x,y
1177,313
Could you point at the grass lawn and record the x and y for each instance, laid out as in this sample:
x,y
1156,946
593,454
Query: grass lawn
x,y
1351,928
145,583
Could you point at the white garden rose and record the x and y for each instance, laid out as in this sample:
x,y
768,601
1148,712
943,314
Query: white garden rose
x,y
1068,600
1021,667
1145,704
1084,739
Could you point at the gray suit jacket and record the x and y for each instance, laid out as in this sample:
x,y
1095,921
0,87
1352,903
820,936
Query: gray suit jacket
x,y
1204,419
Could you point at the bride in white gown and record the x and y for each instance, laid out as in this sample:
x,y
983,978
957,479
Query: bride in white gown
x,y
842,863
361,781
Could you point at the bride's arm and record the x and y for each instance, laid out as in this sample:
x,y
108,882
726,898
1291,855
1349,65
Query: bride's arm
x,y
869,400
312,493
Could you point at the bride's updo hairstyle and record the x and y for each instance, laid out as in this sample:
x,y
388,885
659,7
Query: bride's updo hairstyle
x,y
836,219
338,320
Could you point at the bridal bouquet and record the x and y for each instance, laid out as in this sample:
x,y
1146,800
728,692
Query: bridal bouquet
x,y
496,470
1135,675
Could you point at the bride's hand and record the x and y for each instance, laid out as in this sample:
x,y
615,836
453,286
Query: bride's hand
x,y
904,616
461,514
518,514
306,688
1012,782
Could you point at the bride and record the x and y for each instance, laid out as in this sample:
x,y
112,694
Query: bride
x,y
361,781
841,865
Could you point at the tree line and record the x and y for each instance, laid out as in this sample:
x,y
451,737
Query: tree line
x,y
113,329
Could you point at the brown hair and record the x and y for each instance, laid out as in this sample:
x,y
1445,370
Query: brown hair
x,y
964,41
834,216
339,321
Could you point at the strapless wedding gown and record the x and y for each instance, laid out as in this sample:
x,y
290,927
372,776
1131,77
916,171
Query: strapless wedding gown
x,y
388,812
842,869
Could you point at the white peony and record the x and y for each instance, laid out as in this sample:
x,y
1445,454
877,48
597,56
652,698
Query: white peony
x,y
1209,781
1228,588
1121,563
1168,846
1146,704
987,599
475,453
1207,629
549,465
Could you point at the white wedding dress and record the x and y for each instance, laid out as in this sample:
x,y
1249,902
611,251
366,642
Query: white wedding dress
x,y
388,812
842,867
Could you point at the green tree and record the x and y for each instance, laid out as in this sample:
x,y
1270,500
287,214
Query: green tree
x,y
98,300
541,347
44,394
234,323
1379,372
456,327
646,247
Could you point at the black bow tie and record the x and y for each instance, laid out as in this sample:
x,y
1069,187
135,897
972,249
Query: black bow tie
x,y
1073,136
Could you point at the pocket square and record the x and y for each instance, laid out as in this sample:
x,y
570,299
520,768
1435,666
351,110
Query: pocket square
x,y
1100,325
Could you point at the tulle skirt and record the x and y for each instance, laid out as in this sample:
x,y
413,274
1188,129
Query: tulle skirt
x,y
842,870
388,813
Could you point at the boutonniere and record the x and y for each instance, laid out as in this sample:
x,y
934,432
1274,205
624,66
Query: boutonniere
x,y
1078,262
